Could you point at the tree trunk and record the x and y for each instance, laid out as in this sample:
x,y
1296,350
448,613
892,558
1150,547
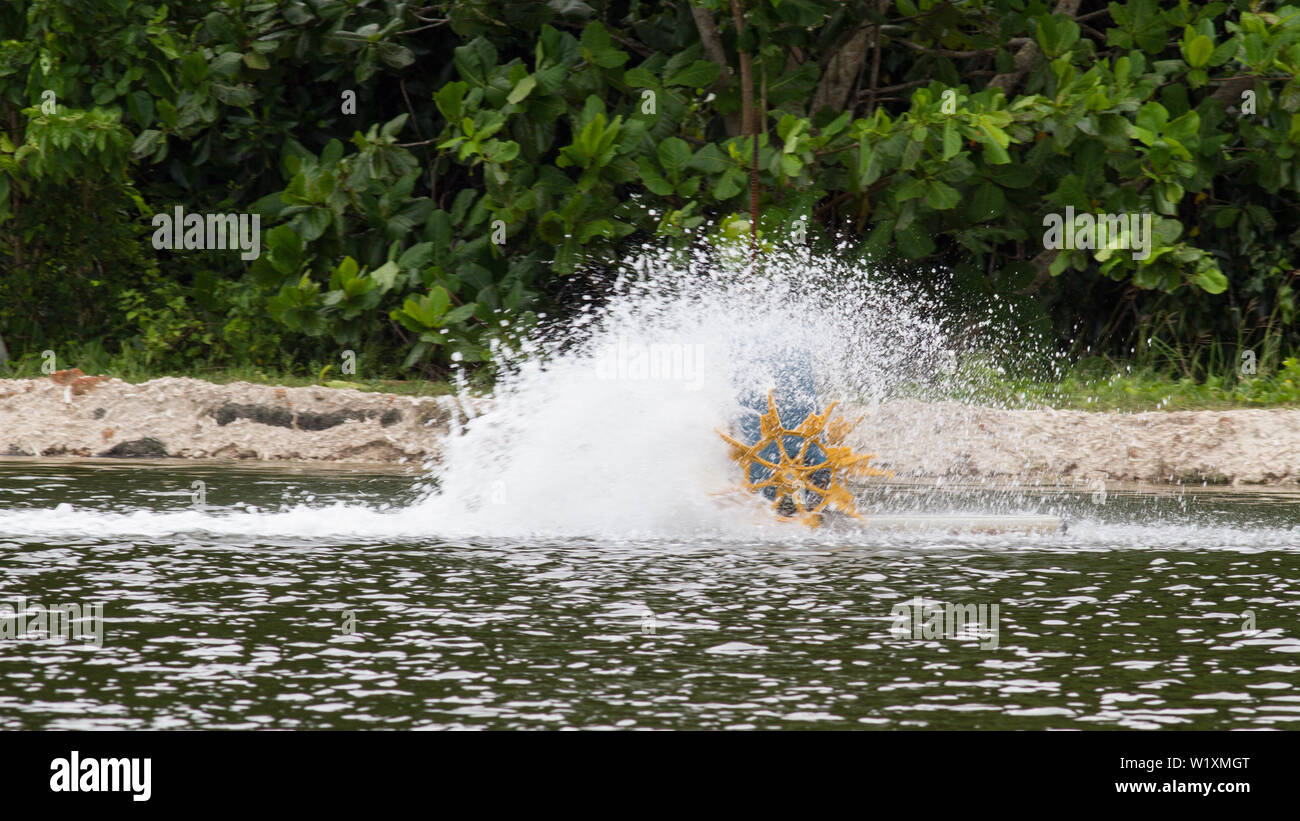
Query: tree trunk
x,y
750,124
840,72
711,42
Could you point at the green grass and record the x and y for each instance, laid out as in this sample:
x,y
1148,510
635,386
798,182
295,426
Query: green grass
x,y
1095,384
1116,386
94,361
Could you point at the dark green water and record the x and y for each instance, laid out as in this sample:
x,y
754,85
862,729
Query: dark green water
x,y
237,617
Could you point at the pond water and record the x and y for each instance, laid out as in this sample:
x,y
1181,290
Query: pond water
x,y
296,598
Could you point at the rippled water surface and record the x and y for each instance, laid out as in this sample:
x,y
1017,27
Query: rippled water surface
x,y
1170,609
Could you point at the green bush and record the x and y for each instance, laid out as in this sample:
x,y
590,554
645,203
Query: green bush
x,y
497,146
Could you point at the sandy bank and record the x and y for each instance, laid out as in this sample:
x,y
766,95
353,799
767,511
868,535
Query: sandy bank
x,y
72,415
918,440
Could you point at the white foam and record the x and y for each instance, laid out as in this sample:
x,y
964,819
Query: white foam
x,y
582,442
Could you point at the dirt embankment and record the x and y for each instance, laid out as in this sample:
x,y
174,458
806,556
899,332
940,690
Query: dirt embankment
x,y
69,414
916,439
72,414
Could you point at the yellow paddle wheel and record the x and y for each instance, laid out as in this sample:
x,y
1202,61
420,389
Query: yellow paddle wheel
x,y
802,470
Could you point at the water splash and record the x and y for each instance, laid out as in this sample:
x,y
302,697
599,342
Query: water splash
x,y
605,425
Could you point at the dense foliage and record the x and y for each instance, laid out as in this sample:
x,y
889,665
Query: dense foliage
x,y
430,177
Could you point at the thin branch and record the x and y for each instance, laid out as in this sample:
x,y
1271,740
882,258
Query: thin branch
x,y
926,81
947,52
1091,15
639,48
1093,32
422,28
433,180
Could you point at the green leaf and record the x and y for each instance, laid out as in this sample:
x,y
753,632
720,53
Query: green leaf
x,y
597,47
911,189
194,68
474,60
1059,263
1056,34
450,99
995,154
837,125
868,163
393,126
460,314
522,89
990,132
345,270
1153,117
146,142
596,228
284,249
639,77
385,276
417,256
501,152
167,112
219,25
240,96
438,300
674,156
988,203
140,104
652,179
710,160
313,222
940,196
731,183
417,353
912,153
951,141
1211,280
914,242
1197,52
697,75
396,55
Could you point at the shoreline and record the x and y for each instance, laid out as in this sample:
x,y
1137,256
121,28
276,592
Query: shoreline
x,y
70,414
74,416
